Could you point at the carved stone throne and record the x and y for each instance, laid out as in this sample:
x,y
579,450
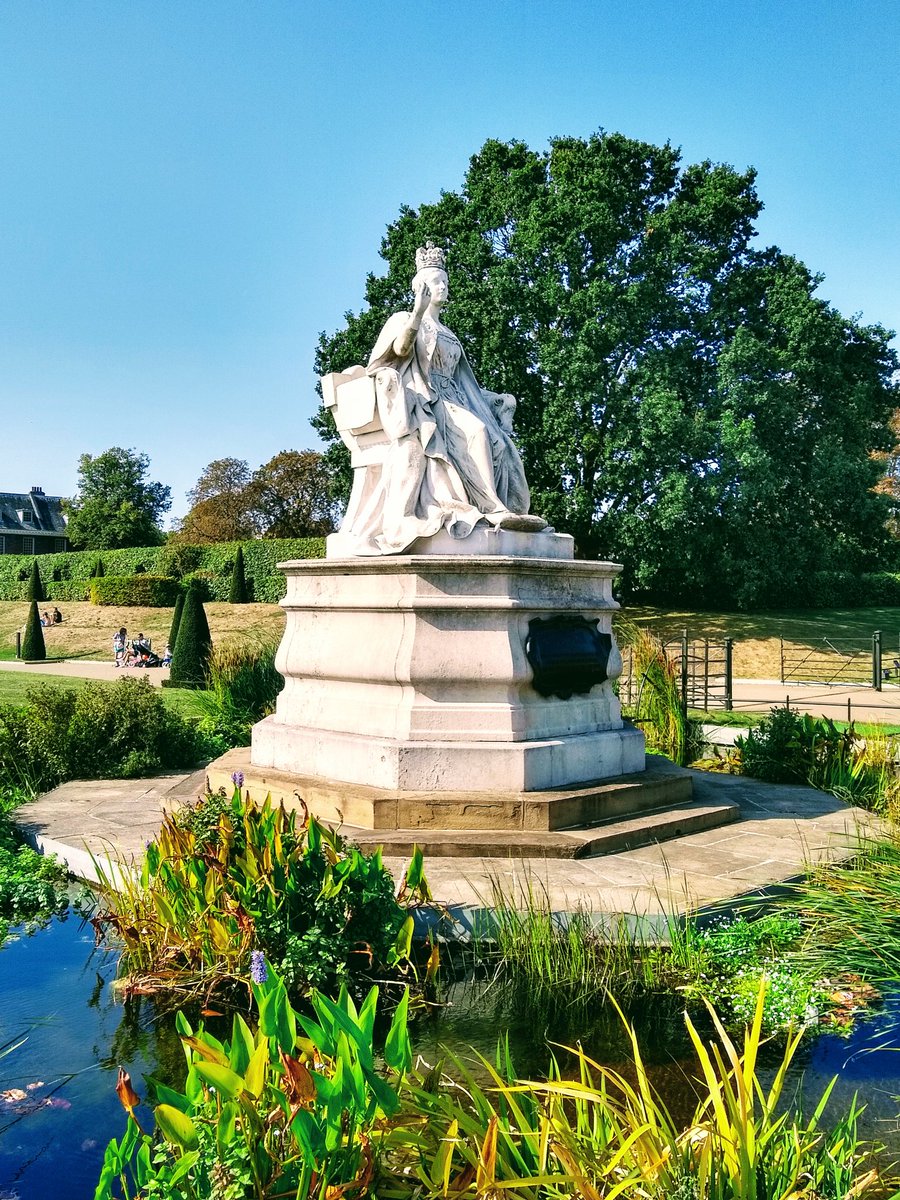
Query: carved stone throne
x,y
350,398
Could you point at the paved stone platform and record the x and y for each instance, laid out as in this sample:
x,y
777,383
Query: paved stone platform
x,y
781,829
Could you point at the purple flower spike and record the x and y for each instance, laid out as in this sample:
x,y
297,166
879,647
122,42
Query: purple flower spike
x,y
237,778
259,972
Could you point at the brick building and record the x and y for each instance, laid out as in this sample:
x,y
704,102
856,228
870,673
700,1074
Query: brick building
x,y
31,523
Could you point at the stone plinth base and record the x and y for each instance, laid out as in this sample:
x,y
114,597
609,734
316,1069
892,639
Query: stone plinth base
x,y
411,674
384,810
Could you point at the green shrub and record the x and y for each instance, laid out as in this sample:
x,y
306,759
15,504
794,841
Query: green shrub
x,y
789,748
176,620
267,589
99,571
96,731
35,584
215,562
33,648
238,591
193,645
69,589
32,886
138,591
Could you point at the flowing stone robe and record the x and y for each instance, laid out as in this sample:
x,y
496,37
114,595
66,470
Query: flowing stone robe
x,y
451,460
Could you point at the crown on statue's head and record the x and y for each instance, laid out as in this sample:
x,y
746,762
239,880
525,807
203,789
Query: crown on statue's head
x,y
430,257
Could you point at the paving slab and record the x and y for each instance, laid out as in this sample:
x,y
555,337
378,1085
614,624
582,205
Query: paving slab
x,y
781,829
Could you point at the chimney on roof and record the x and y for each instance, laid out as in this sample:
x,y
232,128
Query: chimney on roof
x,y
37,491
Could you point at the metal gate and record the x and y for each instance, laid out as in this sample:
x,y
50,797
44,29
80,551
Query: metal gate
x,y
703,667
853,662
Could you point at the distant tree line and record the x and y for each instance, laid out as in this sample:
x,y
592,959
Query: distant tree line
x,y
119,506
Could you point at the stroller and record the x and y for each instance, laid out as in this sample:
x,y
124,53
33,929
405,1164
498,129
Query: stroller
x,y
143,654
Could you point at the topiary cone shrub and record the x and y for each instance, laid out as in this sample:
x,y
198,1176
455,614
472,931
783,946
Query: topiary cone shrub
x,y
193,645
35,585
33,648
99,570
176,621
238,593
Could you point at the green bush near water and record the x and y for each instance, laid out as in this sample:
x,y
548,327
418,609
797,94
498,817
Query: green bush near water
x,y
226,877
96,731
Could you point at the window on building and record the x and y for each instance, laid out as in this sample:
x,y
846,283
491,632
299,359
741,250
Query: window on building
x,y
28,545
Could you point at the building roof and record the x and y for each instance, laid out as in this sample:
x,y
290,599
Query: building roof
x,y
32,513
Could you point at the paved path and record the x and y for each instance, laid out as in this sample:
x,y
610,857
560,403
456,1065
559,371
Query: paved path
x,y
83,668
865,704
782,828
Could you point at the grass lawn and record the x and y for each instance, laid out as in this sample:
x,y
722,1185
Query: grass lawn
x,y
757,653
87,629
15,684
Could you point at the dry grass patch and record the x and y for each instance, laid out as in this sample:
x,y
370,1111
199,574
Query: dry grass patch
x,y
757,646
87,629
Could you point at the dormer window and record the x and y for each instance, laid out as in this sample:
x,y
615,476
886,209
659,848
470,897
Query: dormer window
x,y
25,517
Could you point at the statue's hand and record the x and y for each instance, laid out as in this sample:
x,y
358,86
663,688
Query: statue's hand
x,y
422,294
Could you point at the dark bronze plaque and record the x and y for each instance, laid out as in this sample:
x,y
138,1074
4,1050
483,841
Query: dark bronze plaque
x,y
568,654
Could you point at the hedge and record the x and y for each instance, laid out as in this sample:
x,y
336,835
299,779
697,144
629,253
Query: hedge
x,y
138,591
211,566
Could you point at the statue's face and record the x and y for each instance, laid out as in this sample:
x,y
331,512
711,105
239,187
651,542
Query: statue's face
x,y
439,286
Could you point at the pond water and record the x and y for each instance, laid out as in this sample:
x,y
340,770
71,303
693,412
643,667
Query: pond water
x,y
55,987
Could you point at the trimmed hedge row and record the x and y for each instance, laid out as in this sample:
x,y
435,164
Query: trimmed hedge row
x,y
140,591
67,576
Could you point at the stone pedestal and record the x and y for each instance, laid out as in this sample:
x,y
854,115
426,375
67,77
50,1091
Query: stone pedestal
x,y
409,673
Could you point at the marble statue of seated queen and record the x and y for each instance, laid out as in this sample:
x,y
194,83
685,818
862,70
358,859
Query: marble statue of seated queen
x,y
430,448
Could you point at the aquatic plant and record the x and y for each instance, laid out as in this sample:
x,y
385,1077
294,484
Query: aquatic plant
x,y
226,877
301,1108
852,911
296,1108
560,967
32,886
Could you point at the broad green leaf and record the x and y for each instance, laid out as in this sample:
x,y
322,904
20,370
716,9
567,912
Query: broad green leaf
x,y
221,1078
176,1127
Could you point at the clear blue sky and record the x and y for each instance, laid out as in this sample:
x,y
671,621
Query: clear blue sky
x,y
191,191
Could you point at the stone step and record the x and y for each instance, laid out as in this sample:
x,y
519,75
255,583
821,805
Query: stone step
x,y
661,785
608,837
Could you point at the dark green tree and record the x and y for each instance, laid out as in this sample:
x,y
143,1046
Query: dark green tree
x,y
238,592
193,645
33,648
176,620
35,584
687,404
98,570
117,505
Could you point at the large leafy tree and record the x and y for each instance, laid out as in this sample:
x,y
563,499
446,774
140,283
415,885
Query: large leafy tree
x,y
221,506
117,505
686,403
291,495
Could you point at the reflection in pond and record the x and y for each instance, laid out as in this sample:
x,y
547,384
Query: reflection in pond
x,y
58,1106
